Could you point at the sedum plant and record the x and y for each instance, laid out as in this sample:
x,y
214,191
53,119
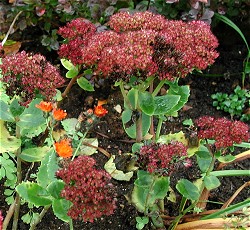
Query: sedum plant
x,y
158,161
28,76
145,51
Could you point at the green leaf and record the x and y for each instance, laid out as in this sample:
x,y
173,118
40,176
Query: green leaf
x,y
26,218
67,64
34,193
47,170
5,113
227,211
8,143
55,188
203,159
31,116
188,122
129,125
148,189
34,154
60,208
85,84
183,92
69,125
188,189
132,98
16,109
72,73
141,222
110,167
163,104
211,182
146,103
226,159
88,150
235,172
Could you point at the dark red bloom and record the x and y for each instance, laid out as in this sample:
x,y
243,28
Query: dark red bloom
x,y
223,131
27,75
132,46
88,188
162,158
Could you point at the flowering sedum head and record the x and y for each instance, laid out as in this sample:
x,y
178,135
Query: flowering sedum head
x,y
223,131
27,75
162,158
143,43
88,188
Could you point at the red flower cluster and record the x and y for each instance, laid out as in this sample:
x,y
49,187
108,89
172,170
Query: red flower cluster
x,y
223,131
26,75
123,21
133,45
88,188
162,158
78,32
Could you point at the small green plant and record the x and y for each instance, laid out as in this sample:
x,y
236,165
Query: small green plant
x,y
235,104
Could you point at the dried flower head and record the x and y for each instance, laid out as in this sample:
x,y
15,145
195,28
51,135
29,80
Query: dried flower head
x,y
88,188
223,131
63,148
59,114
27,75
162,158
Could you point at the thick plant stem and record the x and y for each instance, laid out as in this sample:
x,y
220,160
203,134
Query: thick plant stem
x,y
9,215
138,125
69,86
41,215
126,100
158,130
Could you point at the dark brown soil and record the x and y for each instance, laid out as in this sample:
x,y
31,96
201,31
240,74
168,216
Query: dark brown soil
x,y
112,138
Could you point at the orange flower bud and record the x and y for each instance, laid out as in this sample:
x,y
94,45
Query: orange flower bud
x,y
45,106
59,114
99,111
63,148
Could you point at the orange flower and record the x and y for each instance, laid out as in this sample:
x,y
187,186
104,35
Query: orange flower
x,y
45,106
63,148
99,111
59,114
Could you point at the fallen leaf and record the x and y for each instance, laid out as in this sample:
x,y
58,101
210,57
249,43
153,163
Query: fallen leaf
x,y
101,102
186,107
13,48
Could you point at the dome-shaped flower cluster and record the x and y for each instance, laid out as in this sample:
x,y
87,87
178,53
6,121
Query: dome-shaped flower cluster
x,y
162,158
143,43
88,188
223,131
27,75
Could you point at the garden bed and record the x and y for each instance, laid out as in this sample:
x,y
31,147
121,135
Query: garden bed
x,y
113,139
